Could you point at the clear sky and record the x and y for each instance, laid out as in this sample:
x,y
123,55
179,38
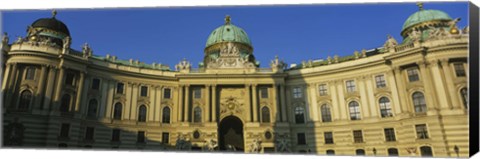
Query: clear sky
x,y
294,33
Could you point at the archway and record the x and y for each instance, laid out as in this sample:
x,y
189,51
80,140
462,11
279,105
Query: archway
x,y
230,132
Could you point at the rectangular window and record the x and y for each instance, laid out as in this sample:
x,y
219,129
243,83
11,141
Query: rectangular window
x,y
165,137
350,86
166,93
459,69
322,90
141,137
357,136
143,91
297,92
389,134
301,140
197,93
64,130
116,135
328,137
89,133
413,75
264,92
422,132
380,80
95,84
30,73
69,80
120,88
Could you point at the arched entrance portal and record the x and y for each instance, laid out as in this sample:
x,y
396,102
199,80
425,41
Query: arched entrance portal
x,y
230,132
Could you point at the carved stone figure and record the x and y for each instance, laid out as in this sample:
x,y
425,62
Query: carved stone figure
x,y
19,40
336,58
282,145
211,145
87,51
466,30
364,53
276,63
415,35
183,143
14,133
357,54
255,147
390,43
329,59
5,39
437,32
66,42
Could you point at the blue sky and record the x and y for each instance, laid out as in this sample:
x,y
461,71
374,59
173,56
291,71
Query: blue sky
x,y
294,33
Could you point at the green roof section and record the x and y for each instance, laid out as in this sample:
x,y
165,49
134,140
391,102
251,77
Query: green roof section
x,y
228,33
425,16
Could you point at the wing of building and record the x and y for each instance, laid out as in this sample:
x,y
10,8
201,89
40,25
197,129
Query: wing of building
x,y
405,98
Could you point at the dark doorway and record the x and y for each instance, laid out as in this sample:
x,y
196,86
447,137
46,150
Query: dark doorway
x,y
230,132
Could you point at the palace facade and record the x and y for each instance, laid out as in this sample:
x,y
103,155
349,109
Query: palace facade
x,y
406,98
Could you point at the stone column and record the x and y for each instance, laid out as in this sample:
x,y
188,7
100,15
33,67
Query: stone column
x,y
314,109
429,91
6,76
395,99
439,85
214,103
133,106
109,98
335,106
41,87
152,106
83,108
11,85
277,112
400,84
49,88
370,86
365,112
255,103
128,103
158,102
187,115
344,114
180,103
206,112
103,99
79,92
306,99
59,88
450,85
247,104
283,103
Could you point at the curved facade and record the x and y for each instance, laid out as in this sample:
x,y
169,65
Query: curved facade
x,y
404,99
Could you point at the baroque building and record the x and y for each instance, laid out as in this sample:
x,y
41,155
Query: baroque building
x,y
405,98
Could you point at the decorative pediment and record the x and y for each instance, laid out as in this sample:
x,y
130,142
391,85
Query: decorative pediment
x,y
230,106
198,103
167,102
298,103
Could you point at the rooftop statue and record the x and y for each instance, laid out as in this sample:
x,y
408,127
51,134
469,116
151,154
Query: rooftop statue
x,y
87,51
390,43
415,35
5,39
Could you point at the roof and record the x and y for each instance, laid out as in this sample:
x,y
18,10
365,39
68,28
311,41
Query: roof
x,y
228,33
52,24
425,16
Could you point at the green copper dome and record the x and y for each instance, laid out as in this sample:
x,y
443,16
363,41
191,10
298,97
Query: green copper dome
x,y
425,16
228,33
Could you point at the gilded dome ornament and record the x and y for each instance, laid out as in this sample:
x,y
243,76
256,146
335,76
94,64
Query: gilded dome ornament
x,y
227,19
54,13
420,5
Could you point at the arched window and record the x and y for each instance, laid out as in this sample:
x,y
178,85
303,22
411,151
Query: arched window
x,y
92,108
117,111
360,152
166,115
354,110
392,152
326,115
299,115
330,152
265,114
25,100
464,93
385,109
419,102
65,104
426,151
197,115
142,113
